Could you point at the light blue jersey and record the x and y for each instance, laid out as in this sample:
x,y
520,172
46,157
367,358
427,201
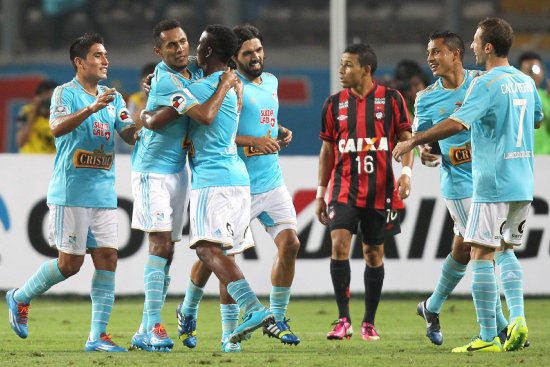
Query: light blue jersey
x,y
84,168
501,108
162,150
433,105
259,118
212,148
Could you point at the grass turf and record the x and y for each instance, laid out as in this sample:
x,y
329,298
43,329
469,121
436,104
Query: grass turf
x,y
58,328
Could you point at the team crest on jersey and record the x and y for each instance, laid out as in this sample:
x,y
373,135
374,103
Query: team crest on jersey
x,y
160,216
101,129
124,115
72,238
111,110
275,97
59,110
178,101
379,113
96,159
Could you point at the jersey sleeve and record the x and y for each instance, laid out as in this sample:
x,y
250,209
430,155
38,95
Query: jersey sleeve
x,y
123,119
401,116
62,101
188,97
328,130
422,120
475,104
539,113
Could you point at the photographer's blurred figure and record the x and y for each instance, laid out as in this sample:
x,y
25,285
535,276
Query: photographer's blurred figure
x,y
33,122
531,64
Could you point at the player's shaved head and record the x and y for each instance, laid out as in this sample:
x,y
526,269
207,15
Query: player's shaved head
x,y
222,40
81,46
164,25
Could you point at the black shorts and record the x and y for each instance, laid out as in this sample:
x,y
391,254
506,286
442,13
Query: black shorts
x,y
375,224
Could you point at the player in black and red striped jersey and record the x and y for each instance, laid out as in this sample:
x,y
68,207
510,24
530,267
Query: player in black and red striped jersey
x,y
361,125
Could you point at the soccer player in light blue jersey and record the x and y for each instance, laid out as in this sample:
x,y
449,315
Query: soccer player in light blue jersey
x,y
259,138
433,105
501,108
81,195
160,181
220,192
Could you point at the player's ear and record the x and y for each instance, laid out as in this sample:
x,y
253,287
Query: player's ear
x,y
78,62
157,51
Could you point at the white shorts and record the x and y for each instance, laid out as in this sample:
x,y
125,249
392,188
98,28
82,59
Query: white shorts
x,y
459,209
275,210
488,223
73,229
160,202
221,214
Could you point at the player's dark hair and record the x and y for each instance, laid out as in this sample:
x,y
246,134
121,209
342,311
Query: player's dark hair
x,y
148,68
45,85
366,55
163,25
451,40
223,42
246,32
528,55
81,46
498,33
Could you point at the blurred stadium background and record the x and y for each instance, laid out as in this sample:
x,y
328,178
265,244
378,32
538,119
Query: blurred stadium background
x,y
36,34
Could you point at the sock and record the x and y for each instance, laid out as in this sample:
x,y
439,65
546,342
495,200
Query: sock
x,y
484,293
374,279
340,273
153,278
501,319
193,296
103,298
278,301
451,274
511,278
45,277
230,319
167,279
241,292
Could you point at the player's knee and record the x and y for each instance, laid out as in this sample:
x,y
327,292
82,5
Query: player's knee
x,y
373,255
340,250
290,247
69,268
161,247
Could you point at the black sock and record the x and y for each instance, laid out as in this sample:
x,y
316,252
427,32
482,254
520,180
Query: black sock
x,y
373,278
340,273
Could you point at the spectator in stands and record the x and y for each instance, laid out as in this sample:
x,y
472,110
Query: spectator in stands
x,y
531,64
138,100
33,122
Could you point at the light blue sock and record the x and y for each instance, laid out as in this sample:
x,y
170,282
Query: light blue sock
x,y
484,293
278,301
167,279
193,296
230,318
241,292
501,319
451,274
46,276
153,279
511,278
103,298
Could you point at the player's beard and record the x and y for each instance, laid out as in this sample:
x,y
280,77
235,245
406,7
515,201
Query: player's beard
x,y
249,72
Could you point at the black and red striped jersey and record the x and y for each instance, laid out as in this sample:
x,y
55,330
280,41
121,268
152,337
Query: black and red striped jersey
x,y
364,132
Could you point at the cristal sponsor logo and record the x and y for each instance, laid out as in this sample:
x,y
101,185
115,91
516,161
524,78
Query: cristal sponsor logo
x,y
342,105
268,117
460,155
101,129
96,159
362,144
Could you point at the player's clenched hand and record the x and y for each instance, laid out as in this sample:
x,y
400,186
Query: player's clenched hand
x,y
103,100
229,78
266,145
146,83
428,159
401,148
284,136
321,210
404,187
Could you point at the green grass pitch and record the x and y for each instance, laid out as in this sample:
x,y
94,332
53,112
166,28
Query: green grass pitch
x,y
58,328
